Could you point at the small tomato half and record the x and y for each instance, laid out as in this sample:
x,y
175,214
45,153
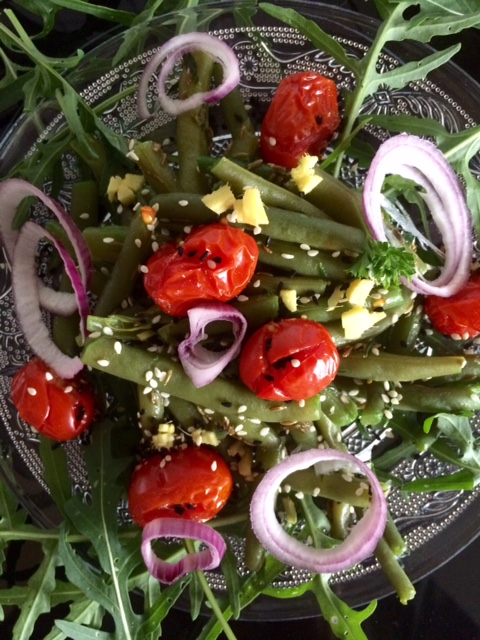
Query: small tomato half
x,y
302,118
458,314
293,359
57,408
215,263
192,483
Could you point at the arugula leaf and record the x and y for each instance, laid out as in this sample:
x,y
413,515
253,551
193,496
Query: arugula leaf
x,y
384,264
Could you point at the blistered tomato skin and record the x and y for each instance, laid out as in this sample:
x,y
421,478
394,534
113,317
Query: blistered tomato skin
x,y
457,315
215,263
302,118
192,483
293,359
57,408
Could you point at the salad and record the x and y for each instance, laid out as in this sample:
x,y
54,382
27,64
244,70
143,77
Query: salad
x,y
222,320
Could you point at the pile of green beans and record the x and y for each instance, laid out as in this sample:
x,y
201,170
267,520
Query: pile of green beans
x,y
308,247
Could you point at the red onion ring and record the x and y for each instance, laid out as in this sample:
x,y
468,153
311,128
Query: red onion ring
x,y
12,192
203,560
362,539
169,54
420,160
203,365
27,300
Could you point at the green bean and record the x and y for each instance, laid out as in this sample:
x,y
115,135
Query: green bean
x,y
254,554
237,120
302,285
151,408
192,128
259,309
65,329
394,572
394,538
454,398
372,412
340,515
272,195
393,367
105,243
304,436
187,207
153,162
402,336
391,317
135,249
339,201
84,203
291,258
330,433
337,486
225,396
268,457
122,327
339,407
320,233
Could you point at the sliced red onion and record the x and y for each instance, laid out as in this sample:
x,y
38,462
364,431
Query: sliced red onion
x,y
420,160
363,536
203,365
203,560
169,54
27,299
12,192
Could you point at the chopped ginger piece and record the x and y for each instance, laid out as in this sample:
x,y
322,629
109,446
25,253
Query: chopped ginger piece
x,y
304,174
358,291
124,189
338,296
250,208
357,320
220,200
289,299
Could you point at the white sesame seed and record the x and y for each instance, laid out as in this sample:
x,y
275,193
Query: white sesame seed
x,y
68,389
375,351
316,492
335,254
264,431
183,203
272,141
108,240
103,363
143,268
48,376
147,390
257,283
305,247
301,403
138,242
133,156
95,334
32,391
84,216
187,229
214,465
312,253
211,264
108,331
288,256
242,408
118,347
295,363
388,414
299,495
257,230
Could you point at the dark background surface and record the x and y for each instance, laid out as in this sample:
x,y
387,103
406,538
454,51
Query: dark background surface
x,y
447,605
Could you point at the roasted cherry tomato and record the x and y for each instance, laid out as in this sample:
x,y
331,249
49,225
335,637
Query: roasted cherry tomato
x,y
192,483
459,314
59,409
215,262
293,359
302,118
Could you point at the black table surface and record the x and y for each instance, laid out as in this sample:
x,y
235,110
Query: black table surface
x,y
447,603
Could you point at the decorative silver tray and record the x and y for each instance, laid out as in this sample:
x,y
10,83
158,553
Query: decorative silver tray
x,y
436,525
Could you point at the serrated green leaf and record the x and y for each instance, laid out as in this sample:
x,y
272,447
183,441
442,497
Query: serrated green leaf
x,y
79,632
344,621
82,612
37,594
313,32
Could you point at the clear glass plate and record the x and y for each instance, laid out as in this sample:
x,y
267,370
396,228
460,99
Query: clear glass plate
x,y
436,525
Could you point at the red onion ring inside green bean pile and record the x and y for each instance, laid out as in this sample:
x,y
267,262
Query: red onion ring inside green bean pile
x,y
362,538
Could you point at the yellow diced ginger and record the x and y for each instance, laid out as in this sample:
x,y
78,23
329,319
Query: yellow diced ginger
x,y
304,174
220,200
358,291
